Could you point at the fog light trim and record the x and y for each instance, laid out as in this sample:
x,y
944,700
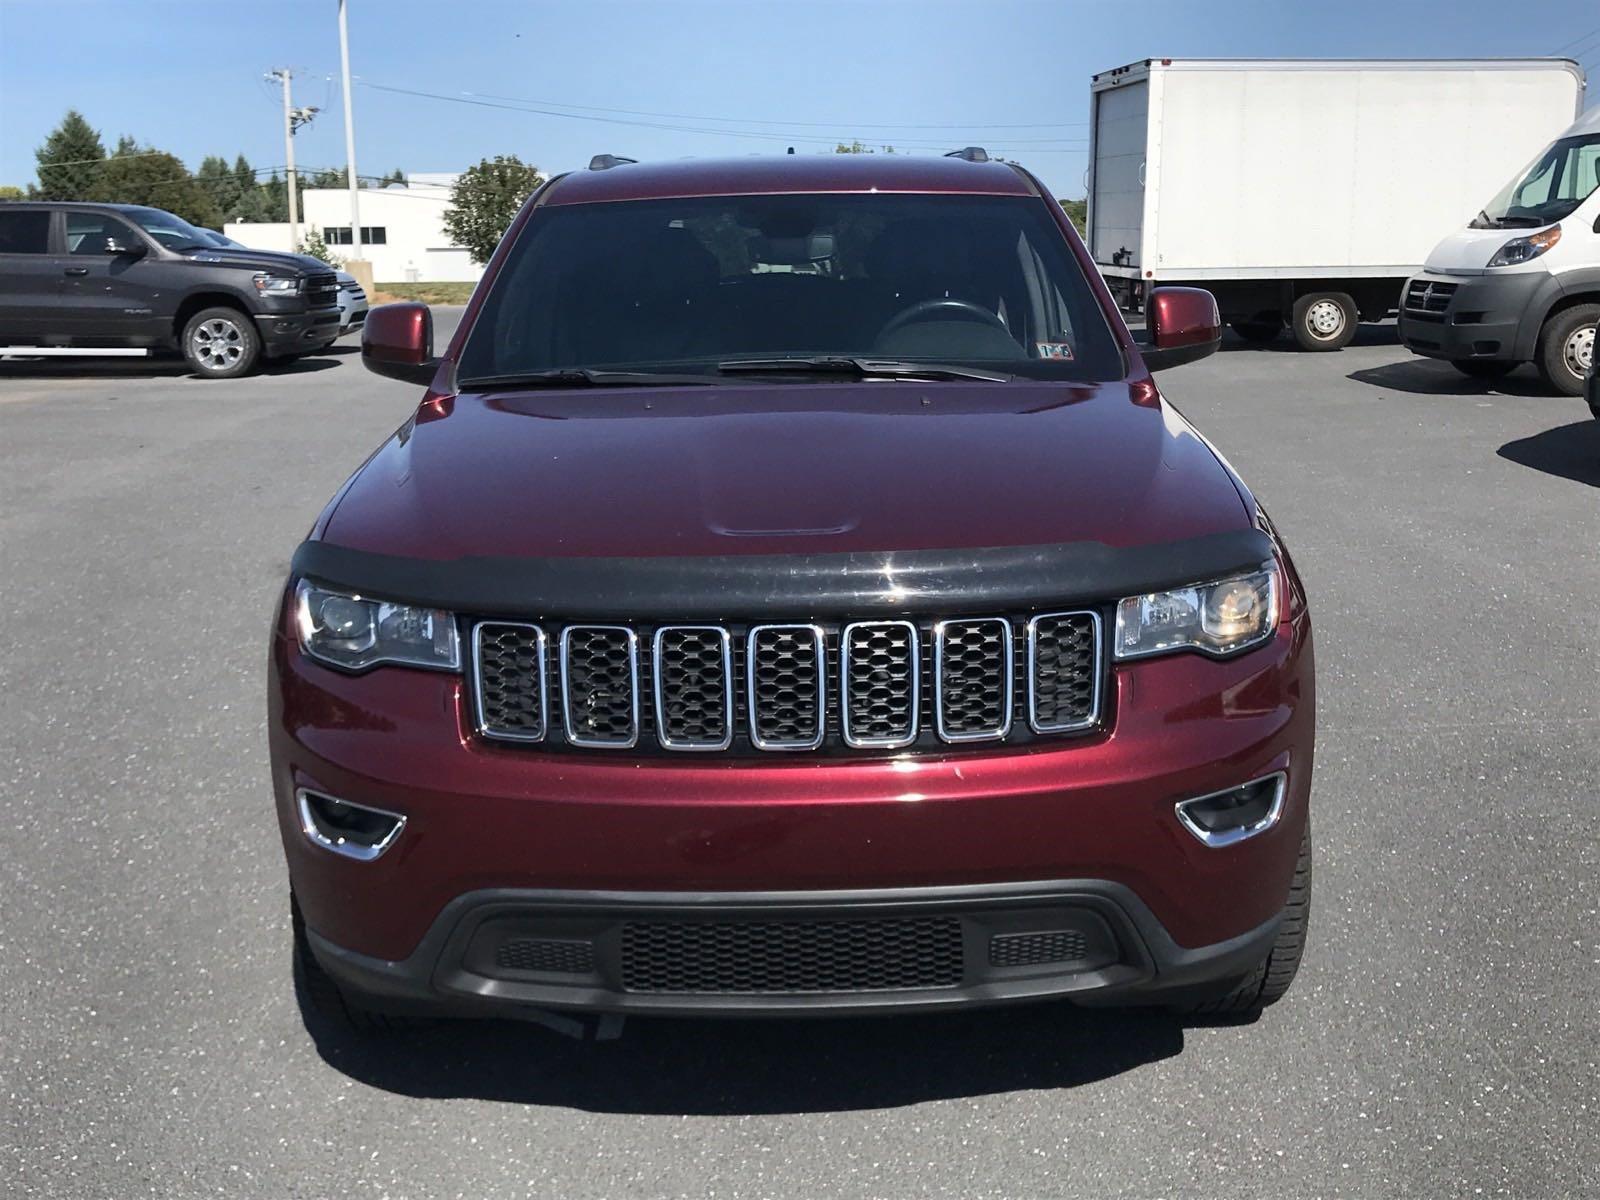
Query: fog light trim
x,y
361,852
1218,838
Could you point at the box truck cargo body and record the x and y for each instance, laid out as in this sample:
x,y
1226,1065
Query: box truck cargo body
x,y
1306,191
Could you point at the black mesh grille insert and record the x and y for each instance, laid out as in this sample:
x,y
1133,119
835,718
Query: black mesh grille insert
x,y
545,954
879,665
510,671
1030,949
882,954
694,688
598,679
785,683
1066,671
974,678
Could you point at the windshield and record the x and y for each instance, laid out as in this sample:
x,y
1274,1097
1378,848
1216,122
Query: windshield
x,y
172,232
1559,180
691,285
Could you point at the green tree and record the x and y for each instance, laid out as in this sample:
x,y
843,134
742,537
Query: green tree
x,y
69,160
857,146
328,177
274,199
137,174
485,199
1077,212
8,192
220,183
314,245
394,176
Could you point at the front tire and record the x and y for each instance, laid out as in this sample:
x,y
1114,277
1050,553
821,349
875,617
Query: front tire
x,y
221,343
1324,321
1566,348
1271,978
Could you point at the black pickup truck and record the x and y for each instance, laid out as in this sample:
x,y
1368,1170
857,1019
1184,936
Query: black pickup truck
x,y
120,277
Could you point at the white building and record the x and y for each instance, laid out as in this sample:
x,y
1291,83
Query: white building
x,y
402,230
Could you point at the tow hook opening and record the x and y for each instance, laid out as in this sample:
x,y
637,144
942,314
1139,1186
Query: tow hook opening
x,y
1228,817
353,830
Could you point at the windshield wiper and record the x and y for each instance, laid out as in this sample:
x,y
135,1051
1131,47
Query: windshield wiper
x,y
859,368
1520,222
1484,221
560,377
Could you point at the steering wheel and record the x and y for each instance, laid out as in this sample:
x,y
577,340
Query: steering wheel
x,y
945,305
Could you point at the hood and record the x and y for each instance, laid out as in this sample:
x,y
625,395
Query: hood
x,y
260,260
1468,251
801,468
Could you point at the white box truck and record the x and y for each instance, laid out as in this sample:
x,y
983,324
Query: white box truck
x,y
1303,191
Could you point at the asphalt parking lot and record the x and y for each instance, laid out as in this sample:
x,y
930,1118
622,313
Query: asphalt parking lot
x,y
1443,1039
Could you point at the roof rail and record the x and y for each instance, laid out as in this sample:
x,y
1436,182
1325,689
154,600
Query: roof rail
x,y
604,162
970,154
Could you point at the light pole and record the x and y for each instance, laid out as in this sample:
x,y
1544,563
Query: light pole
x,y
293,118
361,269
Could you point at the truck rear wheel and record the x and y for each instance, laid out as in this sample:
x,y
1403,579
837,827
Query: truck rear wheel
x,y
1566,348
1324,320
1260,332
221,343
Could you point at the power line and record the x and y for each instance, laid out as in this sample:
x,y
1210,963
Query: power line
x,y
1580,38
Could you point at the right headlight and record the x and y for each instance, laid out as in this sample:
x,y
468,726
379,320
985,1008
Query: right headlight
x,y
1220,618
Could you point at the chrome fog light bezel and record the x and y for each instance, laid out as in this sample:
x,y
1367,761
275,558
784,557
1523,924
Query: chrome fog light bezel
x,y
1215,839
340,846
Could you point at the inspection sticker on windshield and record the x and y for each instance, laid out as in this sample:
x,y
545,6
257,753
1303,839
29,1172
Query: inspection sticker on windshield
x,y
1053,349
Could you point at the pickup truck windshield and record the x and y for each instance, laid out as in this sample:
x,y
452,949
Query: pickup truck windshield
x,y
1559,180
691,285
172,232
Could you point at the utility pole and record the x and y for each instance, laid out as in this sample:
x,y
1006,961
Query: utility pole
x,y
362,270
293,118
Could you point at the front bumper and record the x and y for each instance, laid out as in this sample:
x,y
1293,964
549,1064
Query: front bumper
x,y
298,333
1487,317
542,838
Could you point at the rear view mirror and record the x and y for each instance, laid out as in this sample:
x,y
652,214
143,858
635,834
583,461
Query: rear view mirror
x,y
397,342
1184,325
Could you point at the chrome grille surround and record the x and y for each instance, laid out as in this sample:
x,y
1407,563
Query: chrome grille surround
x,y
787,685
1040,680
862,642
966,685
507,703
596,695
681,640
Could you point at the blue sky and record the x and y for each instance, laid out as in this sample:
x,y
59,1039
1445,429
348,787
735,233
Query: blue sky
x,y
726,76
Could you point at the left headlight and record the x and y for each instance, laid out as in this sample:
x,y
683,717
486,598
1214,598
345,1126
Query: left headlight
x,y
1524,249
354,632
277,285
1220,618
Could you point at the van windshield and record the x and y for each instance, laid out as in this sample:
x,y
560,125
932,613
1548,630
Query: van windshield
x,y
1556,182
696,284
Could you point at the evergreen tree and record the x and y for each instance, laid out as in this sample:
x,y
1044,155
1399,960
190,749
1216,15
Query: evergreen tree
x,y
140,175
220,183
69,161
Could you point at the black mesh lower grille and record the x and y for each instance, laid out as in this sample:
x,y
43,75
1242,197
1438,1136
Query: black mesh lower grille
x,y
1066,671
599,680
785,671
510,669
1031,949
545,954
886,954
974,678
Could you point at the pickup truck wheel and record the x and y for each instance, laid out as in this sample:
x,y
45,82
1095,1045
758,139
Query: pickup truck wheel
x,y
1271,978
319,994
1484,368
1566,348
1260,332
221,343
1324,320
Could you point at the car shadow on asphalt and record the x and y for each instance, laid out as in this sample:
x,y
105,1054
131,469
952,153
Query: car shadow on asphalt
x,y
1568,452
1386,334
702,1068
156,368
1430,377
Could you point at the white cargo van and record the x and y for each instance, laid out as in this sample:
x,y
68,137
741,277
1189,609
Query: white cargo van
x,y
1521,282
1303,191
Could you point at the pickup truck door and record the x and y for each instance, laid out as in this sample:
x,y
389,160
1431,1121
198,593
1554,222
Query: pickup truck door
x,y
113,297
30,276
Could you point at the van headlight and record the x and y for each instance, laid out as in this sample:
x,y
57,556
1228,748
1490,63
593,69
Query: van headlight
x,y
1219,618
1525,249
354,632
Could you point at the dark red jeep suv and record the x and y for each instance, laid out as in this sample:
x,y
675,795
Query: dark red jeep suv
x,y
792,595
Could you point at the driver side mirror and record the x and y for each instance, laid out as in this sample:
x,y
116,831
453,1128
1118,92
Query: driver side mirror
x,y
125,246
1184,325
397,342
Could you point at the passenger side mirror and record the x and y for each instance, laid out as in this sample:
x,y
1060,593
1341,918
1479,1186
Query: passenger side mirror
x,y
125,246
1184,325
397,342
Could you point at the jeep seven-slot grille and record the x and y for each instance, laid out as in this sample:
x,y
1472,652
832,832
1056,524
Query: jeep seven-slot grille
x,y
855,686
